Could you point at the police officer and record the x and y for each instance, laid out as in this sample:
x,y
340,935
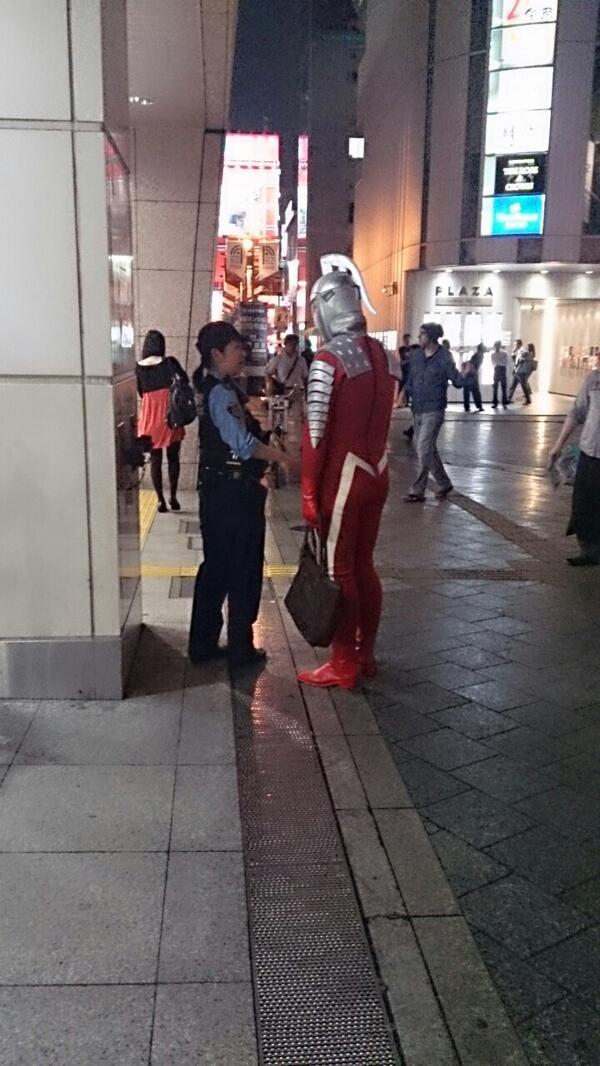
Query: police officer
x,y
234,454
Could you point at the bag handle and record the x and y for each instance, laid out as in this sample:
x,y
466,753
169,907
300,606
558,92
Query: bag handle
x,y
315,542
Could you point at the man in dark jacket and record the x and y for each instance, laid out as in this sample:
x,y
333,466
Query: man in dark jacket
x,y
472,380
431,368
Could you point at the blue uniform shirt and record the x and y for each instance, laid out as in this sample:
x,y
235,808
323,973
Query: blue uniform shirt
x,y
227,415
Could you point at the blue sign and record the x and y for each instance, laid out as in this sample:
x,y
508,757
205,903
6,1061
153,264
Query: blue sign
x,y
517,216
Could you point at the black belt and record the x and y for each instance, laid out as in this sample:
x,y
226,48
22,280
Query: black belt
x,y
234,473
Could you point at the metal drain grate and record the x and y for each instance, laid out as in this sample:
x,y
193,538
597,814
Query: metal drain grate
x,y
318,998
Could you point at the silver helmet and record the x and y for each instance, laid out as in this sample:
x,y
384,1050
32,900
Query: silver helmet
x,y
337,297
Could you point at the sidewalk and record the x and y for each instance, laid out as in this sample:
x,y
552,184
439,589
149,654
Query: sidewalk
x,y
230,874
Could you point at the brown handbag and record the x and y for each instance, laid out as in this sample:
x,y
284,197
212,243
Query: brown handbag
x,y
313,599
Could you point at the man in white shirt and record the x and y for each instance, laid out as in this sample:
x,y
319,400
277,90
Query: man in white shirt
x,y
286,370
500,365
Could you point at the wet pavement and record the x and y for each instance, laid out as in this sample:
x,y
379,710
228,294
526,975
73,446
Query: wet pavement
x,y
218,872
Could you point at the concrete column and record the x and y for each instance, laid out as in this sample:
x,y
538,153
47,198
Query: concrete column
x,y
69,543
176,186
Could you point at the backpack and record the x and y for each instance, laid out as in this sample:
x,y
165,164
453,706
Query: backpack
x,y
182,408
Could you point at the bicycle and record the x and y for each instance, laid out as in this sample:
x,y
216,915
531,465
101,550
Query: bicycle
x,y
279,410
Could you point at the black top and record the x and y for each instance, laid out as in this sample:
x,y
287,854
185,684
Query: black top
x,y
153,376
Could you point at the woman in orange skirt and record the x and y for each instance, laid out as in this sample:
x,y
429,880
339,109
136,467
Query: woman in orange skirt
x,y
155,372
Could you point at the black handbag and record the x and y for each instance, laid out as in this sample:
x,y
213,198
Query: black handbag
x,y
182,408
313,599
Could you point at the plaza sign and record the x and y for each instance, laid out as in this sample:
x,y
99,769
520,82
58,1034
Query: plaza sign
x,y
464,296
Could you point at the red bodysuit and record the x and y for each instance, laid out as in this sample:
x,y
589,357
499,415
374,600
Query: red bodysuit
x,y
344,488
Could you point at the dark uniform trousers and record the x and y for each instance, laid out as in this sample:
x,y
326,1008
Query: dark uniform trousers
x,y
232,523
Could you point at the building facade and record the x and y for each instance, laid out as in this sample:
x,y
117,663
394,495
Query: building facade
x,y
477,204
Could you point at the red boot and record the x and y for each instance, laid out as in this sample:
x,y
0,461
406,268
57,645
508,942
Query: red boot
x,y
343,672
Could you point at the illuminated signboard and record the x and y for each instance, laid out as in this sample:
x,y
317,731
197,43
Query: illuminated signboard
x,y
519,111
520,46
518,131
513,216
516,12
250,187
520,90
519,175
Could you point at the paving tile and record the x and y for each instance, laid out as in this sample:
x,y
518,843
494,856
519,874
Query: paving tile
x,y
425,783
324,718
466,868
70,1026
136,732
384,692
580,772
566,1034
575,964
494,642
474,721
449,675
206,735
341,773
423,884
425,698
355,716
496,695
565,811
523,989
79,919
86,808
474,658
521,915
446,749
15,718
586,897
206,813
204,1025
516,676
477,819
542,856
480,1026
527,746
204,932
378,772
549,718
504,779
371,870
399,721
419,1022
508,626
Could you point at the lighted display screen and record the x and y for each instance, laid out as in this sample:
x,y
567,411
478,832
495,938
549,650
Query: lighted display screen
x,y
250,187
522,46
520,90
512,216
517,131
519,175
516,12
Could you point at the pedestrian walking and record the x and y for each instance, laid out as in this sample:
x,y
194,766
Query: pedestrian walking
x,y
431,368
525,363
472,380
155,372
233,458
585,511
500,365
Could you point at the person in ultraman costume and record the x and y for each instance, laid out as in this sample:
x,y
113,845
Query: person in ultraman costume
x,y
344,463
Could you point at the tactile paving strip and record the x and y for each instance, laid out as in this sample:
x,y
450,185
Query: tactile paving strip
x,y
318,997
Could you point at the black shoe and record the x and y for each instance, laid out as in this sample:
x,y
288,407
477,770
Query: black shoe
x,y
162,507
413,497
247,657
409,433
174,504
441,495
207,655
494,405
584,560
480,410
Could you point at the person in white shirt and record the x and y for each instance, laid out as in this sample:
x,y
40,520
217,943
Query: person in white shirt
x,y
287,370
500,365
585,513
